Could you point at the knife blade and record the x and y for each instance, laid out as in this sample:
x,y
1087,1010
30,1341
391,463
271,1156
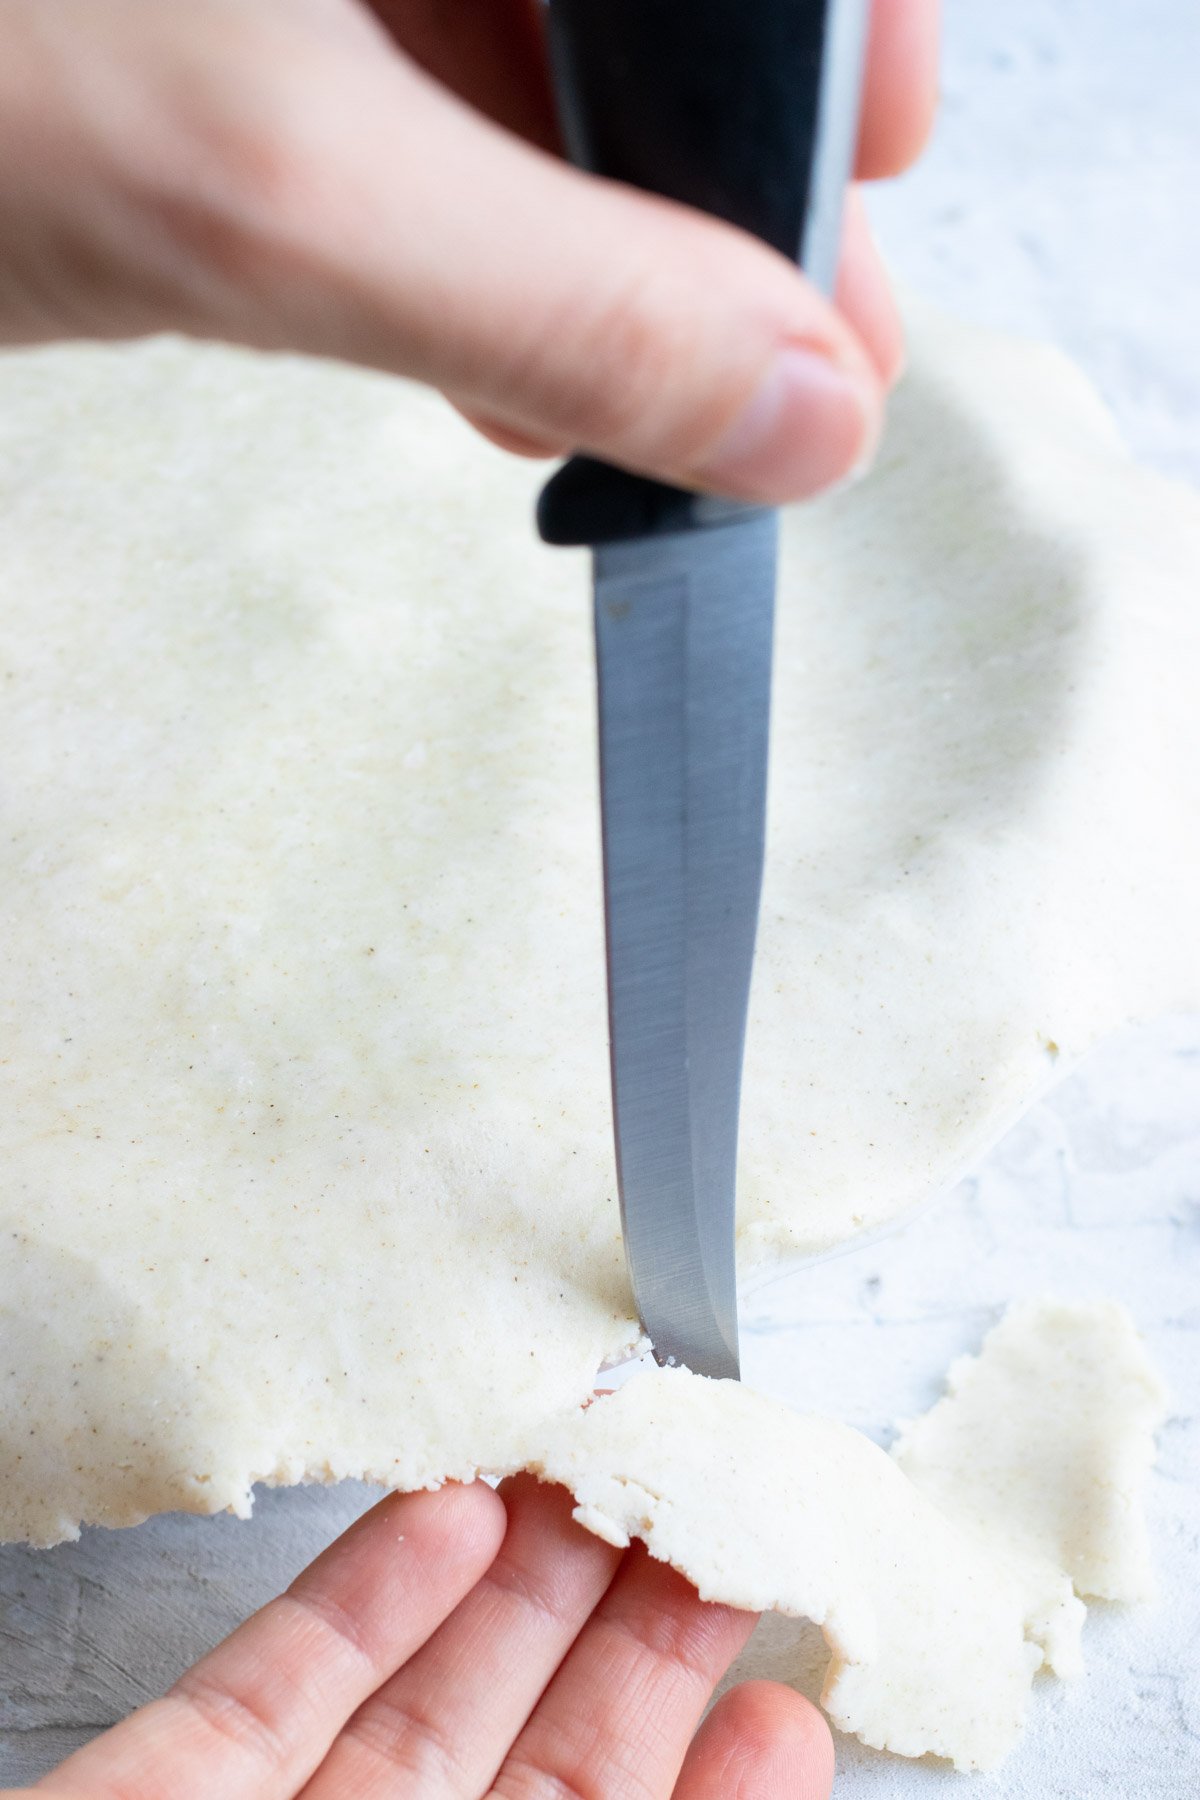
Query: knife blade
x,y
684,682
748,112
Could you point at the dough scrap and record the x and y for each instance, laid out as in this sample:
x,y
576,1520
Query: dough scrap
x,y
938,1598
1040,1447
926,1630
302,985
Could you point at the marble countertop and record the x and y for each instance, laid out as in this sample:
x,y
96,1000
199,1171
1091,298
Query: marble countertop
x,y
1052,202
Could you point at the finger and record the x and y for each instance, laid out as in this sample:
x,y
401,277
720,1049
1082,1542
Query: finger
x,y
565,309
864,293
444,1723
492,54
864,296
254,1718
620,1713
520,443
761,1741
899,86
268,210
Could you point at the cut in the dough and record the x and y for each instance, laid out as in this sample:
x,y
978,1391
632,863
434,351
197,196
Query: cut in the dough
x,y
305,1153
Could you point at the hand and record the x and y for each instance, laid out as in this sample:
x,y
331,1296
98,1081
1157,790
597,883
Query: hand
x,y
381,184
459,1644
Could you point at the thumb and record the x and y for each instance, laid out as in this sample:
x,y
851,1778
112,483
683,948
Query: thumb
x,y
761,1741
571,311
234,172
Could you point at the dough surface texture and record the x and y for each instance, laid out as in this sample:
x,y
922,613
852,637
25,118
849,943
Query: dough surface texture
x,y
305,1166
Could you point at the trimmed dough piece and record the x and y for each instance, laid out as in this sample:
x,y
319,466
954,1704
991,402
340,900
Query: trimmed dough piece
x,y
770,1510
1041,1446
940,1584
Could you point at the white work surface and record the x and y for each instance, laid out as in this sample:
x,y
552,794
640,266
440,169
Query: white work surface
x,y
1058,199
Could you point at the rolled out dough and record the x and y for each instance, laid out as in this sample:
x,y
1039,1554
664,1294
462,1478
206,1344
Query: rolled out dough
x,y
305,1166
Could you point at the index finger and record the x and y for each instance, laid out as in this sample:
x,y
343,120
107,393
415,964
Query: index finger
x,y
899,86
256,1716
619,1715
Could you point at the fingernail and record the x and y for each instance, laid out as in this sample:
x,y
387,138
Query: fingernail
x,y
808,425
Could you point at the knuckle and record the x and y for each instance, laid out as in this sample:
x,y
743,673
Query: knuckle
x,y
523,1780
406,1741
333,1620
659,370
649,363
634,348
693,1639
230,1716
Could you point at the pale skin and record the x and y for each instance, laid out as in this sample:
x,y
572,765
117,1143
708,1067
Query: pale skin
x,y
461,1644
382,184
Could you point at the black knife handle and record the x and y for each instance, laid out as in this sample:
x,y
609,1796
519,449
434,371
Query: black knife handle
x,y
722,105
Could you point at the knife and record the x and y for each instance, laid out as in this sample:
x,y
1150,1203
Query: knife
x,y
746,109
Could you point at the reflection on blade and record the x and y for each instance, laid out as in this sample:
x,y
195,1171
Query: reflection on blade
x,y
683,635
